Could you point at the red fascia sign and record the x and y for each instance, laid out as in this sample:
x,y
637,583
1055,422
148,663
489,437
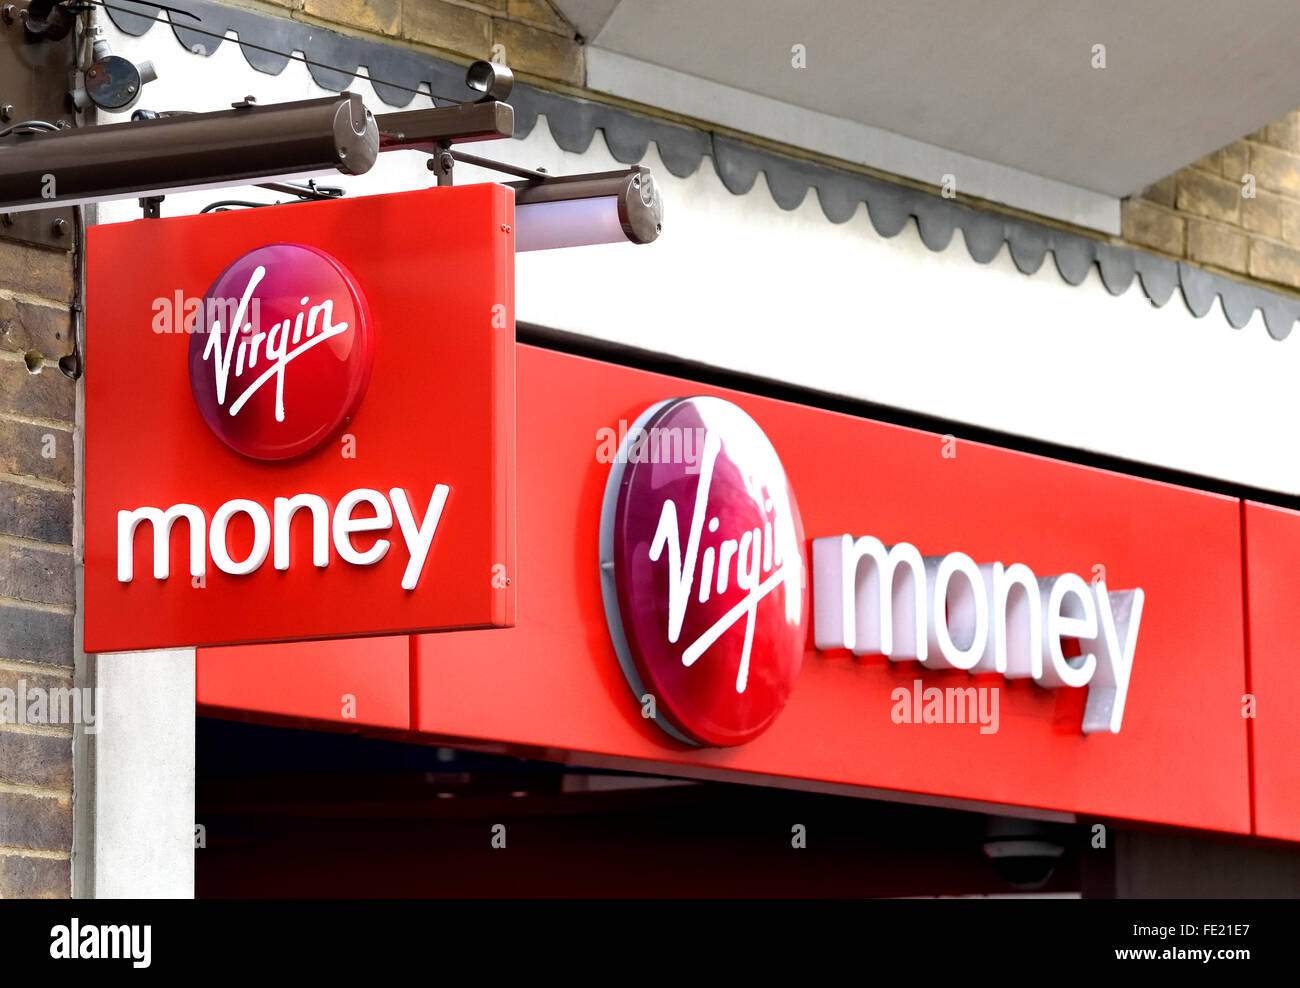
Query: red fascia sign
x,y
651,638
299,421
873,722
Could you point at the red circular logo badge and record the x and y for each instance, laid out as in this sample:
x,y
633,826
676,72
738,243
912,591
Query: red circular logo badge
x,y
281,351
703,570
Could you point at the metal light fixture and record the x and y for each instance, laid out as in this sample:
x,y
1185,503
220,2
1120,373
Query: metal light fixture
x,y
601,208
191,151
248,144
156,154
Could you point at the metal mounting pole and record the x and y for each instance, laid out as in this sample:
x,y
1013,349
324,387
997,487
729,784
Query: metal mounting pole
x,y
442,163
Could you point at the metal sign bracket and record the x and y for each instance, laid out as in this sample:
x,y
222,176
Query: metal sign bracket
x,y
36,74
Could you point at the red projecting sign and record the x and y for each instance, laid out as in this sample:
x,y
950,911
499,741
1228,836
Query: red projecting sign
x,y
299,421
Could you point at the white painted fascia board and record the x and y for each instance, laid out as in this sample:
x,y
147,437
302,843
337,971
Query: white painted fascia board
x,y
643,82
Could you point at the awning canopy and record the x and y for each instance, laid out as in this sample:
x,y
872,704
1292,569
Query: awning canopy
x,y
1011,82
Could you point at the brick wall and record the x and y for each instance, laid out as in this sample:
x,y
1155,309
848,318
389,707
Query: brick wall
x,y
537,40
37,588
1212,213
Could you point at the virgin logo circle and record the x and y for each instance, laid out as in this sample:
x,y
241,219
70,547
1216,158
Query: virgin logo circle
x,y
703,571
281,352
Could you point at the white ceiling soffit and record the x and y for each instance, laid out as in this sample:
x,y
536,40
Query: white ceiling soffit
x,y
1002,94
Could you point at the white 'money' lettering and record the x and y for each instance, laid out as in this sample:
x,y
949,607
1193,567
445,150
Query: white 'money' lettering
x,y
274,528
950,613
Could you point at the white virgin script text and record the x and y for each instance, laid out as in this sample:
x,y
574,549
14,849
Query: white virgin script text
x,y
286,341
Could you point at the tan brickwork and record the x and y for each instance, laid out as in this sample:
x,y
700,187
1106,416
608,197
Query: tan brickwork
x,y
1236,210
528,35
37,588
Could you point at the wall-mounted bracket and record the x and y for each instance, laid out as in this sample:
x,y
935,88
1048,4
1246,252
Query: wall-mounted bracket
x,y
426,130
35,75
48,20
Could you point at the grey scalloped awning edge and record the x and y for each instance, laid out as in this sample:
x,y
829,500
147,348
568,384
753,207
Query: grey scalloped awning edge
x,y
396,74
